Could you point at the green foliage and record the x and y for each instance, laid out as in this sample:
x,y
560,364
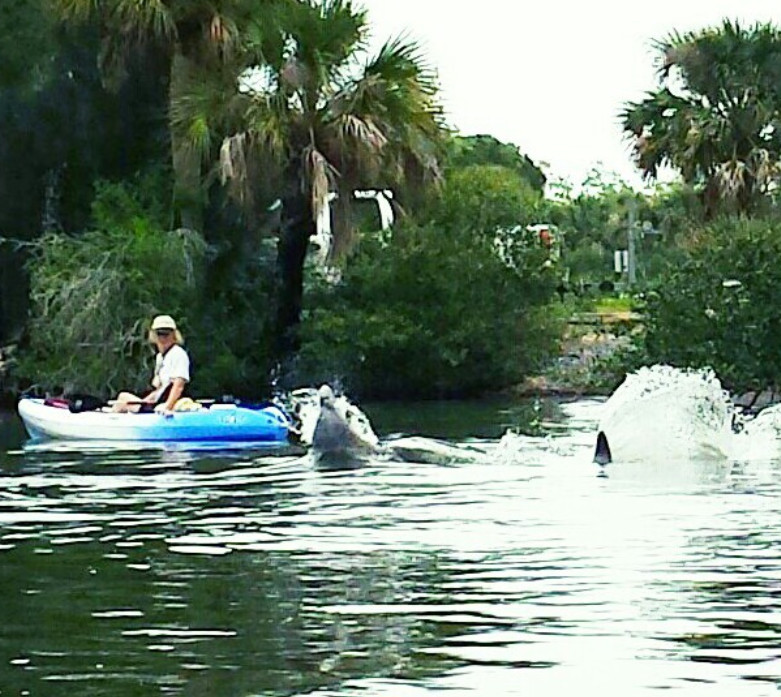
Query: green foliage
x,y
93,294
467,151
62,130
434,313
453,305
718,308
233,340
320,116
485,199
27,42
594,223
714,116
588,261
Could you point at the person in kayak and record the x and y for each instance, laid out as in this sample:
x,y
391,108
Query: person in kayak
x,y
172,371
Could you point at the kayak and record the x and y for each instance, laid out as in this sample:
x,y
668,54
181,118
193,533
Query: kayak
x,y
220,422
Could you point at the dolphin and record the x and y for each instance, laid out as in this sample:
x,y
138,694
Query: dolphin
x,y
336,439
343,438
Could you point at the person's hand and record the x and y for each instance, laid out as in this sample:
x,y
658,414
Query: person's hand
x,y
164,410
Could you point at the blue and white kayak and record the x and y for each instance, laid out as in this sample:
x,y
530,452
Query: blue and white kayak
x,y
221,422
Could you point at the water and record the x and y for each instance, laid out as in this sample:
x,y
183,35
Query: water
x,y
529,571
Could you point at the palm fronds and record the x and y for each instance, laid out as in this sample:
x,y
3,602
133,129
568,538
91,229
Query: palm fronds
x,y
714,117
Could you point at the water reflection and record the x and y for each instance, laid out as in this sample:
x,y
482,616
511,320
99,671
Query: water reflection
x,y
244,573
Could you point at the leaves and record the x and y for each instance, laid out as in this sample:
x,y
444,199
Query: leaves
x,y
714,116
448,307
92,295
318,116
716,306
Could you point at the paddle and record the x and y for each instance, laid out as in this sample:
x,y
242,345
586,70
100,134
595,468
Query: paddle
x,y
78,403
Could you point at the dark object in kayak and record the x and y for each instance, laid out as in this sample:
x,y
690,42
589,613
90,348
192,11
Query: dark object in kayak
x,y
85,402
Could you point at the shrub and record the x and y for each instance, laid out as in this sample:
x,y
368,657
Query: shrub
x,y
431,314
93,294
718,307
233,346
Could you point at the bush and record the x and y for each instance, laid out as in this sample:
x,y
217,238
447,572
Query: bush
x,y
93,294
233,346
718,307
431,314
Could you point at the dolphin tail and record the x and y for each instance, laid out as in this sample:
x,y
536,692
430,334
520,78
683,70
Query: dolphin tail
x,y
602,455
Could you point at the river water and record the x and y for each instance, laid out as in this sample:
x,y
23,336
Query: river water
x,y
524,570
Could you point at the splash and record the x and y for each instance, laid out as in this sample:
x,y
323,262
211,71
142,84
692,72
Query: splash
x,y
661,412
306,406
760,437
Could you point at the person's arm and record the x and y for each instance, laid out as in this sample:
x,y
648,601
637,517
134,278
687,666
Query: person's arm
x,y
177,387
151,397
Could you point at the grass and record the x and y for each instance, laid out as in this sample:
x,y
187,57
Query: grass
x,y
622,303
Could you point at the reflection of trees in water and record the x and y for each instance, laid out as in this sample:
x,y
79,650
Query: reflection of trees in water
x,y
356,619
745,606
244,623
486,418
286,621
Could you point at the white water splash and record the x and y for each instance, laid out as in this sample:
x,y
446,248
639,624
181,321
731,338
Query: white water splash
x,y
408,448
760,438
661,412
664,413
307,409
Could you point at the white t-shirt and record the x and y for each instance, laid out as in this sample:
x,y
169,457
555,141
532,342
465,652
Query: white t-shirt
x,y
174,364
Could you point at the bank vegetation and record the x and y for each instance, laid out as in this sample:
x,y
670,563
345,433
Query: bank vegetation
x,y
178,157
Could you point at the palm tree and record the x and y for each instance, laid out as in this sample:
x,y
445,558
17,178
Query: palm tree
x,y
715,116
198,37
316,115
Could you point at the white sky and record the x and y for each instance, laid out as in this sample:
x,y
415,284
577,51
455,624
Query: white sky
x,y
550,76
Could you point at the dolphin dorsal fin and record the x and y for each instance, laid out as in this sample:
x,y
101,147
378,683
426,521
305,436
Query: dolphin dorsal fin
x,y
602,455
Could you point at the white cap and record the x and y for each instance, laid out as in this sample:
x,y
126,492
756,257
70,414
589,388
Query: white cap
x,y
163,322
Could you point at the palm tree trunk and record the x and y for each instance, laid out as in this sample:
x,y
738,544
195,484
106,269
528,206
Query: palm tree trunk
x,y
188,202
747,195
711,197
298,225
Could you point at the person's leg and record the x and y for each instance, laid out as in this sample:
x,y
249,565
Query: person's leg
x,y
126,402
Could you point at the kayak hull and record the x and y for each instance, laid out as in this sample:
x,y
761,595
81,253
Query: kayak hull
x,y
220,423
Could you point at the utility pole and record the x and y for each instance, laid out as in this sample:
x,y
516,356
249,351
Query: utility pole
x,y
632,274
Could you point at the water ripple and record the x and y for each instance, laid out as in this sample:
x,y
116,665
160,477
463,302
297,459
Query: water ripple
x,y
520,573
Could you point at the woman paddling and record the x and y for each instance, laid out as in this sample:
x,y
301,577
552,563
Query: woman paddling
x,y
172,371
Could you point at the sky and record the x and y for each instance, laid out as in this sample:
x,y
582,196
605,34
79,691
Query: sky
x,y
551,76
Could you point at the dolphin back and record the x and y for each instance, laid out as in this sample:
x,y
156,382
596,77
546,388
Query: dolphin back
x,y
333,434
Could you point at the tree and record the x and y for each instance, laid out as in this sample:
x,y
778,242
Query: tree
x,y
61,130
714,116
456,304
435,312
486,199
194,37
318,116
27,43
465,151
92,294
716,307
